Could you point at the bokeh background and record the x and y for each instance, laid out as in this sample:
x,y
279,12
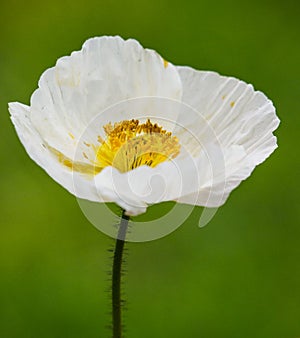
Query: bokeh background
x,y
237,277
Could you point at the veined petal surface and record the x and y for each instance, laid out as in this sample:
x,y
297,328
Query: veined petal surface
x,y
241,119
36,149
107,71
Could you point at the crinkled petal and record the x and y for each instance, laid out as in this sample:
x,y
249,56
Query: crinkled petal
x,y
107,71
113,186
136,189
238,116
39,152
226,174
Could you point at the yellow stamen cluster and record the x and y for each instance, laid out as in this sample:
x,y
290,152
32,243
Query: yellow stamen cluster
x,y
130,144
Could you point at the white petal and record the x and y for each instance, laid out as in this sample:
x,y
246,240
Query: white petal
x,y
217,185
136,189
235,111
107,70
77,184
113,186
238,116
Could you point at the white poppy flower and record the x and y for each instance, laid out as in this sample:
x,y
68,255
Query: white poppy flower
x,y
115,122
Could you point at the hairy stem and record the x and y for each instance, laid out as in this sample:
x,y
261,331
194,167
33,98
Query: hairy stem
x,y
116,277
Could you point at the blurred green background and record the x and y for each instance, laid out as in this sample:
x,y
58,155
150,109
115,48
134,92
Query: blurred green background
x,y
237,277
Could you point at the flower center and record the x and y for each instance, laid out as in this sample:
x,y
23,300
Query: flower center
x,y
130,144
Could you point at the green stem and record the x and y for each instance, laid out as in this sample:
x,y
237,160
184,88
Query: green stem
x,y
116,277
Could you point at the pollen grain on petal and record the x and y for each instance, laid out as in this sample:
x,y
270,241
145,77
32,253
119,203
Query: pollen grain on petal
x,y
166,63
232,103
100,139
